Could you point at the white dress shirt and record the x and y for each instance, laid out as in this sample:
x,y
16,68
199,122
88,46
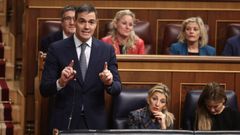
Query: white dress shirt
x,y
78,50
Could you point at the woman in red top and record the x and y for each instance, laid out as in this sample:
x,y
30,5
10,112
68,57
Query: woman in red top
x,y
122,36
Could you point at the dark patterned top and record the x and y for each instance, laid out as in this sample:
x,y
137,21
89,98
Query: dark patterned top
x,y
142,119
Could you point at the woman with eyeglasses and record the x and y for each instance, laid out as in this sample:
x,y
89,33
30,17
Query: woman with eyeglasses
x,y
212,112
155,115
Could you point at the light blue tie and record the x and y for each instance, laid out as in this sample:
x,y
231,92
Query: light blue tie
x,y
83,60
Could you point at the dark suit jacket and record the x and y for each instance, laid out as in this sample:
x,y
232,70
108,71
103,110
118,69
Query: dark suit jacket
x,y
181,49
232,47
89,93
52,37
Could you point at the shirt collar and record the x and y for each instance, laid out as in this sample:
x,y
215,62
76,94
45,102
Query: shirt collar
x,y
64,35
78,42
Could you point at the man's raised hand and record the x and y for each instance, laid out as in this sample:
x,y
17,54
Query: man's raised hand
x,y
67,74
106,76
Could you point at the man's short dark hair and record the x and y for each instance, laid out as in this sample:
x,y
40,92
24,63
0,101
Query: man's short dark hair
x,y
67,8
85,8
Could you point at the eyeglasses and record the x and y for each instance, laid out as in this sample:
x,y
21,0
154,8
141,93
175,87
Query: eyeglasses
x,y
68,18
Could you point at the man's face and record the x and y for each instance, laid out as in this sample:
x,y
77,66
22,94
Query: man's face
x,y
68,23
86,24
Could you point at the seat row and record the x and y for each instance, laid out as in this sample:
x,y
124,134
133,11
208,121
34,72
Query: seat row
x,y
143,30
132,99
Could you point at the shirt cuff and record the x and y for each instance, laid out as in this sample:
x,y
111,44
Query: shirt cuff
x,y
58,85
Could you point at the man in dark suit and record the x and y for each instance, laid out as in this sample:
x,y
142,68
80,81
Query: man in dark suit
x,y
67,25
232,47
79,97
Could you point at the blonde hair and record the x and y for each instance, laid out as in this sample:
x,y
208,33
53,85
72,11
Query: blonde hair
x,y
211,92
163,89
130,43
203,39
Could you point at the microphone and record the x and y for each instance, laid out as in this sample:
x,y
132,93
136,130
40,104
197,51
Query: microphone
x,y
73,102
73,105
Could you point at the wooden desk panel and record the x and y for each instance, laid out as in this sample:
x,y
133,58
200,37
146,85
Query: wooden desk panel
x,y
180,73
159,69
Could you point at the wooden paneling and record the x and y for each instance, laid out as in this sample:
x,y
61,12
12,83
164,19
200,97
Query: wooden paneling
x,y
3,12
180,73
2,6
217,21
150,4
221,27
177,72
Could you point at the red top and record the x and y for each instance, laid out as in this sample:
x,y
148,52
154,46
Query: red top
x,y
137,49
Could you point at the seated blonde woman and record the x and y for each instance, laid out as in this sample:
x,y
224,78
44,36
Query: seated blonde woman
x,y
122,37
193,39
155,115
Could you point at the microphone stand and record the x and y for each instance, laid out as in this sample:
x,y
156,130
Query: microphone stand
x,y
73,104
